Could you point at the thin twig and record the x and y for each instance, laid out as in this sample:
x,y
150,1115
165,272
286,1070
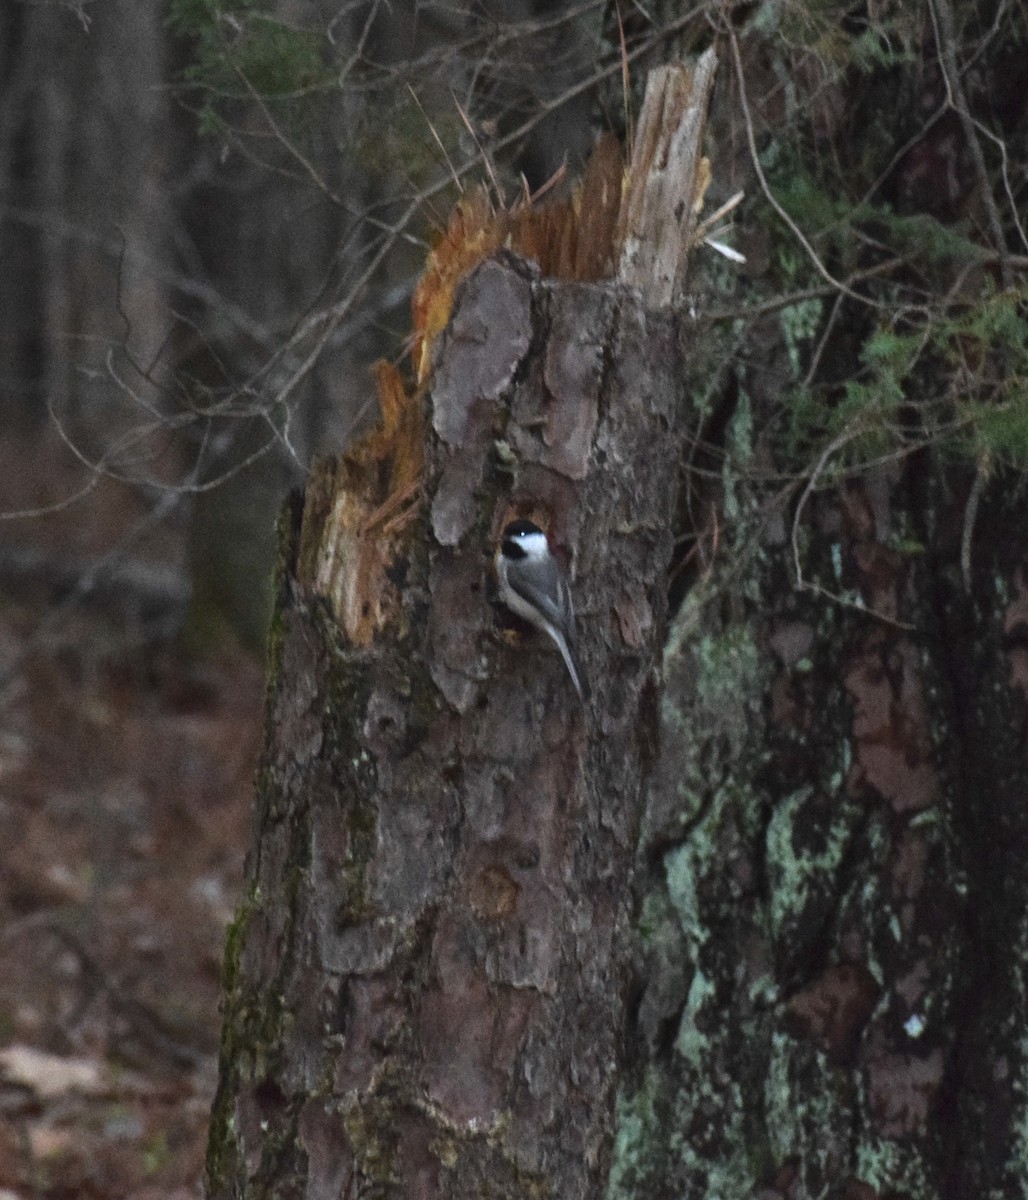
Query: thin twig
x,y
836,444
765,187
1005,173
859,606
970,517
822,342
945,39
765,307
288,144
486,161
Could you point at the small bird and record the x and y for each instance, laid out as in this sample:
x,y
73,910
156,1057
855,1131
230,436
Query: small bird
x,y
533,586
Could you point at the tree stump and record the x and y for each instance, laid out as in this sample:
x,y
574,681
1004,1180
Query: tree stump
x,y
426,984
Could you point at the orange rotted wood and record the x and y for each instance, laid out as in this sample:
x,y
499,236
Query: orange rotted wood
x,y
356,510
612,224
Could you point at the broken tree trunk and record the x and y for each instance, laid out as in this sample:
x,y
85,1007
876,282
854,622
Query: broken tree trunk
x,y
426,980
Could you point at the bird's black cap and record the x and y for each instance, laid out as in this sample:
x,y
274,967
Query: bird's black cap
x,y
520,529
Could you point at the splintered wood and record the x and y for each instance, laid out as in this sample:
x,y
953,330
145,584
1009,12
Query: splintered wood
x,y
666,181
355,512
634,226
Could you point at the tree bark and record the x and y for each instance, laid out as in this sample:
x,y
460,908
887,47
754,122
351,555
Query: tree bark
x,y
427,979
833,847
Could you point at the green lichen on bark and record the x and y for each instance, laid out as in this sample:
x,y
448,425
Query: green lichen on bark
x,y
832,929
802,869
668,1128
799,931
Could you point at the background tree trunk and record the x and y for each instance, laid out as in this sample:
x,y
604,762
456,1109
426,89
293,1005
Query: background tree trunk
x,y
831,976
834,847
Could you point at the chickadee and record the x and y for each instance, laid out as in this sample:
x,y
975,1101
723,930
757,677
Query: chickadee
x,y
533,586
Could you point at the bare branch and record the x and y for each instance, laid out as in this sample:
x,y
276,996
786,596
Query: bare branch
x,y
765,187
945,37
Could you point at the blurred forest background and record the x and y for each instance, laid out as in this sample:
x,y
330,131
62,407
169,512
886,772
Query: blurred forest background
x,y
212,217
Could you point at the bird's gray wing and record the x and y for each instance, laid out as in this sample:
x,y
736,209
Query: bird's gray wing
x,y
542,585
544,588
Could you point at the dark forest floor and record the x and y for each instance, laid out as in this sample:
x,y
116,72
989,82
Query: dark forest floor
x,y
125,790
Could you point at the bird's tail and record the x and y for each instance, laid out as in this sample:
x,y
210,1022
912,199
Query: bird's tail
x,y
574,668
